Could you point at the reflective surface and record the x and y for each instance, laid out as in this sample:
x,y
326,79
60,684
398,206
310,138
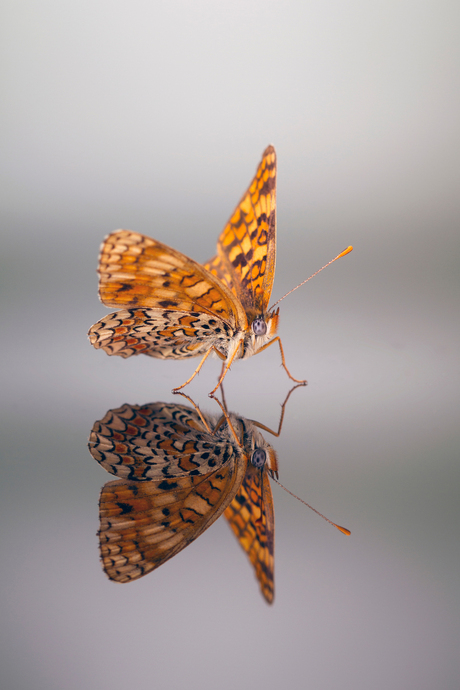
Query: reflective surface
x,y
152,117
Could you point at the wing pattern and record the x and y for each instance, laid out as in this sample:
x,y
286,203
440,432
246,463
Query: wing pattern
x,y
176,479
251,517
173,308
144,525
158,441
161,333
246,249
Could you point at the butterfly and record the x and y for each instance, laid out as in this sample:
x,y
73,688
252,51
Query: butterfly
x,y
172,307
178,471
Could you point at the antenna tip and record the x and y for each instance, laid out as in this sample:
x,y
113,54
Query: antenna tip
x,y
345,252
344,530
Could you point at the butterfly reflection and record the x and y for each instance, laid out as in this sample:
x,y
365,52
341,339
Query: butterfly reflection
x,y
179,470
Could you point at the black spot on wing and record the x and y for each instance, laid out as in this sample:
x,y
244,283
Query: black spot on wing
x,y
125,508
167,486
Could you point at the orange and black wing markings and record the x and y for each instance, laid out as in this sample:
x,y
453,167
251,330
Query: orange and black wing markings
x,y
158,441
165,333
142,525
137,271
173,307
246,249
252,519
178,472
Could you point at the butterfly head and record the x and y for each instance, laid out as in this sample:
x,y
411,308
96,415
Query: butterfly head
x,y
259,458
262,329
261,454
265,325
265,457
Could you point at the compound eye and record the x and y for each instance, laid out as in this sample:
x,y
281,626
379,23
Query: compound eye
x,y
258,458
259,327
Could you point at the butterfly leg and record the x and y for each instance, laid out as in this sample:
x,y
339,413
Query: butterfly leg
x,y
226,367
211,349
283,361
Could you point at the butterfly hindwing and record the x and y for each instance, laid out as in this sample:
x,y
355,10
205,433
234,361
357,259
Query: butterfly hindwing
x,y
158,441
161,333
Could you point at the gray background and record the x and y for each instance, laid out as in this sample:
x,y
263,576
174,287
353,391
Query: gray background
x,y
153,116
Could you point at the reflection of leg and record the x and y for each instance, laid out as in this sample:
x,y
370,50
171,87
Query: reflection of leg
x,y
224,402
227,418
283,361
266,428
174,390
187,397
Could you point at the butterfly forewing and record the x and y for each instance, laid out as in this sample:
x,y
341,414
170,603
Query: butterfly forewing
x,y
144,525
137,271
252,519
246,250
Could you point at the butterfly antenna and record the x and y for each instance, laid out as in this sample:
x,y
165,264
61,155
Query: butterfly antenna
x,y
344,530
339,256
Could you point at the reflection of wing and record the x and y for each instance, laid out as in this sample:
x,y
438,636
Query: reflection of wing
x,y
179,471
172,306
143,525
157,441
252,519
246,249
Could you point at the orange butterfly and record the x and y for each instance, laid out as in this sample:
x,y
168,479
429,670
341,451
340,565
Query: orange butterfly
x,y
179,471
173,307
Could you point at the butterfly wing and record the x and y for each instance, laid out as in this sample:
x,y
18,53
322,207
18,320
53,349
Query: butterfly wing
x,y
144,525
165,334
172,307
252,518
246,250
158,441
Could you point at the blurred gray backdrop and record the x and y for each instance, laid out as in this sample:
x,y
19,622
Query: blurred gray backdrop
x,y
153,116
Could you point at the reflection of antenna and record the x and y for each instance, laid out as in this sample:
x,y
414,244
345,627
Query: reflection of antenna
x,y
273,475
344,530
344,253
